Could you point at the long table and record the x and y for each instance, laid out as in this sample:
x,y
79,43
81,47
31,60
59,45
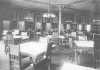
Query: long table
x,y
84,43
34,48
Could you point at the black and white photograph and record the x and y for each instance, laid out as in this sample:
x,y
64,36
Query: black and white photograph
x,y
49,34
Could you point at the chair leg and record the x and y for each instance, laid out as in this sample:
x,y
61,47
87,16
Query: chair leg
x,y
32,62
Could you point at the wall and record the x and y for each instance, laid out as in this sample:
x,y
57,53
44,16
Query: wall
x,y
9,12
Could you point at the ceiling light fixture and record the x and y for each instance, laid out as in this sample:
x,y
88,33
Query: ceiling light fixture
x,y
49,14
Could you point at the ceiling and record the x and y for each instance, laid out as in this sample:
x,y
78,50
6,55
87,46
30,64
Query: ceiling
x,y
67,5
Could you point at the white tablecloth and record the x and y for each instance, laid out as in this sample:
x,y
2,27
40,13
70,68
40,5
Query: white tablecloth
x,y
34,48
84,43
